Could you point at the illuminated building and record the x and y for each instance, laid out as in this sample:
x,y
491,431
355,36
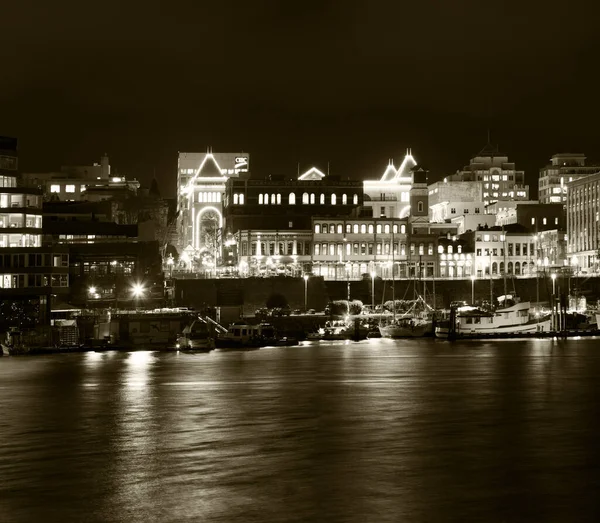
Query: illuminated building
x,y
29,273
271,218
583,223
389,197
201,181
501,180
555,177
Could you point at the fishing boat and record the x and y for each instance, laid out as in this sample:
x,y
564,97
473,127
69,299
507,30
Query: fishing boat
x,y
241,335
515,319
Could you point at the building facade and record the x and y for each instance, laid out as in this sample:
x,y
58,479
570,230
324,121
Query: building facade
x,y
555,177
500,178
583,223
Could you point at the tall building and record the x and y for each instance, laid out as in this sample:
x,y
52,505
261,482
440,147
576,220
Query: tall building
x,y
29,273
201,181
583,223
555,177
501,180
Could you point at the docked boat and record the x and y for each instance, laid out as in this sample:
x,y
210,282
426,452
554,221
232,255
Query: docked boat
x,y
515,319
241,335
416,322
199,336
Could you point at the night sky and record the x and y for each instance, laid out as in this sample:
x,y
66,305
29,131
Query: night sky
x,y
312,81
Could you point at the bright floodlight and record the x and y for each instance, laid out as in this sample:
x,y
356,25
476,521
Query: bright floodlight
x,y
305,277
92,290
553,276
137,289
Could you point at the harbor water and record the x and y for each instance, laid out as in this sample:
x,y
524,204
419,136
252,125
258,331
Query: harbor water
x,y
379,430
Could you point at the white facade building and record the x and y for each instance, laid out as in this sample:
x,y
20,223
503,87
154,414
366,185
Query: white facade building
x,y
201,181
555,177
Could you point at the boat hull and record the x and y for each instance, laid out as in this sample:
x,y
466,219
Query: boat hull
x,y
400,331
525,328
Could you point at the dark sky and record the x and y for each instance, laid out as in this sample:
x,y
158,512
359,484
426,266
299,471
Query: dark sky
x,y
311,81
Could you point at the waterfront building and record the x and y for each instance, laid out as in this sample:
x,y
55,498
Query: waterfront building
x,y
583,223
30,274
500,178
555,177
510,250
201,179
270,220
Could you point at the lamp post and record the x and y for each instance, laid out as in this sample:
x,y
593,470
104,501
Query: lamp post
x,y
553,276
373,274
553,302
305,292
472,289
137,290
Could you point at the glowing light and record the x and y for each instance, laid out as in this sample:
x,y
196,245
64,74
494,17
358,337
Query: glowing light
x,y
92,290
305,277
138,290
553,276
390,173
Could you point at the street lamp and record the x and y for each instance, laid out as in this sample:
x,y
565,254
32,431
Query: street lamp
x,y
305,292
472,289
373,274
553,276
138,290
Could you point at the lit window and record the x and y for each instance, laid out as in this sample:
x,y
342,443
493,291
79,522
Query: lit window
x,y
532,221
355,228
386,229
403,229
235,199
333,199
312,198
544,221
322,199
317,228
305,198
273,199
55,188
339,228
292,199
260,199
363,229
241,198
278,199
355,199
344,199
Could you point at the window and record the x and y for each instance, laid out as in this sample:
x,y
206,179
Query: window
x,y
355,199
363,229
324,228
348,228
322,199
386,228
532,221
452,210
55,188
421,249
317,249
378,228
420,207
332,229
412,248
278,199
556,219
241,199
344,199
70,188
235,199
403,229
339,228
370,228
465,211
317,228
292,199
305,198
260,199
273,199
544,221
430,249
312,198
355,228
333,199
476,210
450,249
395,229
440,249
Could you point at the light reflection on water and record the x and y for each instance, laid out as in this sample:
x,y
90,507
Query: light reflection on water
x,y
414,430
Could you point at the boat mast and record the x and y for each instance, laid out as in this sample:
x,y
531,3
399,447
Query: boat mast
x,y
505,268
393,278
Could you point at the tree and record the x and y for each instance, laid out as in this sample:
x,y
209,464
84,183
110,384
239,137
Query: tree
x,y
276,300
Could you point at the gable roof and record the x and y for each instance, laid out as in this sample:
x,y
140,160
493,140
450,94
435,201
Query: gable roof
x,y
390,172
312,174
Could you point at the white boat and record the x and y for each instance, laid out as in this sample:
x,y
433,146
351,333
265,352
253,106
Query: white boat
x,y
516,319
